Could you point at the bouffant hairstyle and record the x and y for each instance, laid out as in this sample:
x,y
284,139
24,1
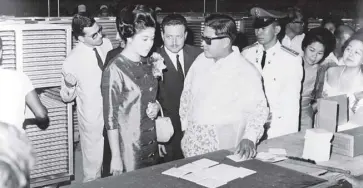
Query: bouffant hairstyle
x,y
134,18
321,35
223,25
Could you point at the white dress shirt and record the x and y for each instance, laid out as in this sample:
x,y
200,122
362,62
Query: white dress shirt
x,y
294,43
172,56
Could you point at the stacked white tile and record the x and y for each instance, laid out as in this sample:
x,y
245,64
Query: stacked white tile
x,y
53,146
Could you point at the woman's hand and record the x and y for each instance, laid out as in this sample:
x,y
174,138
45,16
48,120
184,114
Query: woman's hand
x,y
116,167
152,110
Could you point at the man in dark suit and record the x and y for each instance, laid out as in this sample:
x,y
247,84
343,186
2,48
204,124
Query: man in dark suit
x,y
178,57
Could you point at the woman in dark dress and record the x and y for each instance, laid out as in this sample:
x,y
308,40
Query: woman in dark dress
x,y
129,91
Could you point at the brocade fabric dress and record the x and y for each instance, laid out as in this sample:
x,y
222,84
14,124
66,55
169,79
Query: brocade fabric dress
x,y
127,88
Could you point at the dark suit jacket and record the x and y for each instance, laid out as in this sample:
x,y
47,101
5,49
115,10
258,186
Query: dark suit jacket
x,y
171,87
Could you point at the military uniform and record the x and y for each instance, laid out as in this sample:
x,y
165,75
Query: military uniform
x,y
282,75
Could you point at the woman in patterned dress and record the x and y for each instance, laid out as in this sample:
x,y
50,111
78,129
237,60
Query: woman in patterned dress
x,y
129,91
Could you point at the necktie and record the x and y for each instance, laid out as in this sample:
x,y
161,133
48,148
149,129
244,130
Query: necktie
x,y
180,69
99,60
263,59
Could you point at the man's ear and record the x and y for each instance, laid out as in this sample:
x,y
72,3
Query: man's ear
x,y
81,38
162,35
185,35
277,29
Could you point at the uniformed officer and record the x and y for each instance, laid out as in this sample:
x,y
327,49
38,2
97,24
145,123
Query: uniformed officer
x,y
281,69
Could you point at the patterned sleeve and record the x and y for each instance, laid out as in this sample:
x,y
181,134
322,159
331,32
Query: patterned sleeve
x,y
111,88
255,122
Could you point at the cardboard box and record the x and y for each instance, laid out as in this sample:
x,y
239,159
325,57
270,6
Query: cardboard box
x,y
348,142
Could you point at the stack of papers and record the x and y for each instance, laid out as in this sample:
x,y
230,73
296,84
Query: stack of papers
x,y
273,155
208,173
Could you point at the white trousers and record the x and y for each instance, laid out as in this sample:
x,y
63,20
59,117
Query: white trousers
x,y
91,139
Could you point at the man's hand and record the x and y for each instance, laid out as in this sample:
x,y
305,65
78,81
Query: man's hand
x,y
246,149
69,80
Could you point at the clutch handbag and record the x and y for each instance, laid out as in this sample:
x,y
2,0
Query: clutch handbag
x,y
164,127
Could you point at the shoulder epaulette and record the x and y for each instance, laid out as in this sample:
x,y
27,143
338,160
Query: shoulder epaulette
x,y
250,46
290,51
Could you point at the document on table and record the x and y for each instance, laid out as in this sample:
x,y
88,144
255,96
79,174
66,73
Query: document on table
x,y
208,173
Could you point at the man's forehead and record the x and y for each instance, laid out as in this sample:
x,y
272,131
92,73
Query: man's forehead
x,y
91,30
177,27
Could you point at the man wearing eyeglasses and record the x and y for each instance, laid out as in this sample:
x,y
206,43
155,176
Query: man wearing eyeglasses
x,y
294,30
281,69
178,57
223,105
81,81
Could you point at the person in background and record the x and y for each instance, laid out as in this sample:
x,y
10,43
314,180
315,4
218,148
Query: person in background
x,y
17,92
129,90
331,23
342,34
81,80
222,105
178,58
293,30
104,12
281,69
348,78
17,157
317,45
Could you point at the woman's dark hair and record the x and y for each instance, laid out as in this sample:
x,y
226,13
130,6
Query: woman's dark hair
x,y
223,25
321,35
79,22
134,18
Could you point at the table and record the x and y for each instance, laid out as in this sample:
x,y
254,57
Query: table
x,y
294,143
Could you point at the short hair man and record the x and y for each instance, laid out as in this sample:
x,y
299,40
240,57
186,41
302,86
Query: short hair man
x,y
281,69
82,71
178,58
293,30
223,105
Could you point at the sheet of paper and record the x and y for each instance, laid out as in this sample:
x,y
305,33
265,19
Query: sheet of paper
x,y
175,172
211,183
277,151
205,163
190,167
193,177
244,172
226,173
327,115
236,158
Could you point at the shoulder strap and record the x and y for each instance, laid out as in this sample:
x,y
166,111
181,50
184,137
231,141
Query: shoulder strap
x,y
289,51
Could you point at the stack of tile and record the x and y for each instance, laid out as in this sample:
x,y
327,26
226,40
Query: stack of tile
x,y
9,46
43,54
51,145
109,30
54,93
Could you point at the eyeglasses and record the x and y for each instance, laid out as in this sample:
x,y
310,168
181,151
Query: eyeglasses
x,y
208,40
95,35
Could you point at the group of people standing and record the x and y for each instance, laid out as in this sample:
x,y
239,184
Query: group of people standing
x,y
217,97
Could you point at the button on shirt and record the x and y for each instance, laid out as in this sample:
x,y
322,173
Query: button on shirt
x,y
173,58
294,43
14,88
